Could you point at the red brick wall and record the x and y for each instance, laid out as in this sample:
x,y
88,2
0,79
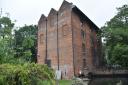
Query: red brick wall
x,y
88,46
69,42
77,42
91,59
41,43
64,41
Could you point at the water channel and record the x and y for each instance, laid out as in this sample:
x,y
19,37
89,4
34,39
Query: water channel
x,y
107,81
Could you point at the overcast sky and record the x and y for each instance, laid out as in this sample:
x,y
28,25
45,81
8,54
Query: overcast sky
x,y
29,11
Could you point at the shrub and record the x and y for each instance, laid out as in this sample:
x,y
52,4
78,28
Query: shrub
x,y
26,74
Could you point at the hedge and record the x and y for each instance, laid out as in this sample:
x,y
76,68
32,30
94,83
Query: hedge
x,y
26,74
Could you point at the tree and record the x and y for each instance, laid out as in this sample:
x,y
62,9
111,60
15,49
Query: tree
x,y
25,43
19,45
6,39
115,33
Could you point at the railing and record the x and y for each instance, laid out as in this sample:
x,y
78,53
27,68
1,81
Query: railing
x,y
107,70
111,70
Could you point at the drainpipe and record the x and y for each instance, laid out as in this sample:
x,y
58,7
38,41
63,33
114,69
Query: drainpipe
x,y
46,44
57,43
73,47
37,55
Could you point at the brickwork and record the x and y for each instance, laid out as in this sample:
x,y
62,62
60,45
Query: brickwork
x,y
41,45
60,41
77,42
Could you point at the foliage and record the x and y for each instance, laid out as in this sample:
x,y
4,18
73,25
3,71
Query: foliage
x,y
26,74
25,43
116,37
6,26
6,39
17,45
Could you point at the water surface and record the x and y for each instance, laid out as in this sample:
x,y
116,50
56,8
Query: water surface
x,y
109,81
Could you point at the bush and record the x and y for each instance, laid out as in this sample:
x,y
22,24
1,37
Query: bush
x,y
26,74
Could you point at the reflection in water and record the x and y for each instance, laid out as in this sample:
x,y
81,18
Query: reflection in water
x,y
109,81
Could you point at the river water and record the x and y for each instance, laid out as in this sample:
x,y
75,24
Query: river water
x,y
108,81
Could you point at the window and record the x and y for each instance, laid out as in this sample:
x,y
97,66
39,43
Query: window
x,y
65,30
84,54
92,40
83,49
84,62
41,38
49,62
61,14
93,48
83,36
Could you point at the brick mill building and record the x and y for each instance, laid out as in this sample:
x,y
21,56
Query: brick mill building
x,y
68,41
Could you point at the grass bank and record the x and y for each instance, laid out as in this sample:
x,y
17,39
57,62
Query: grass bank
x,y
65,82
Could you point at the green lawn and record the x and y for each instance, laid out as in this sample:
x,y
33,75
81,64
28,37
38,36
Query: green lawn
x,y
65,82
61,82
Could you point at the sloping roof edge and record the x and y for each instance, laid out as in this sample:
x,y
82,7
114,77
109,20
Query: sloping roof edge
x,y
42,18
83,17
52,11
